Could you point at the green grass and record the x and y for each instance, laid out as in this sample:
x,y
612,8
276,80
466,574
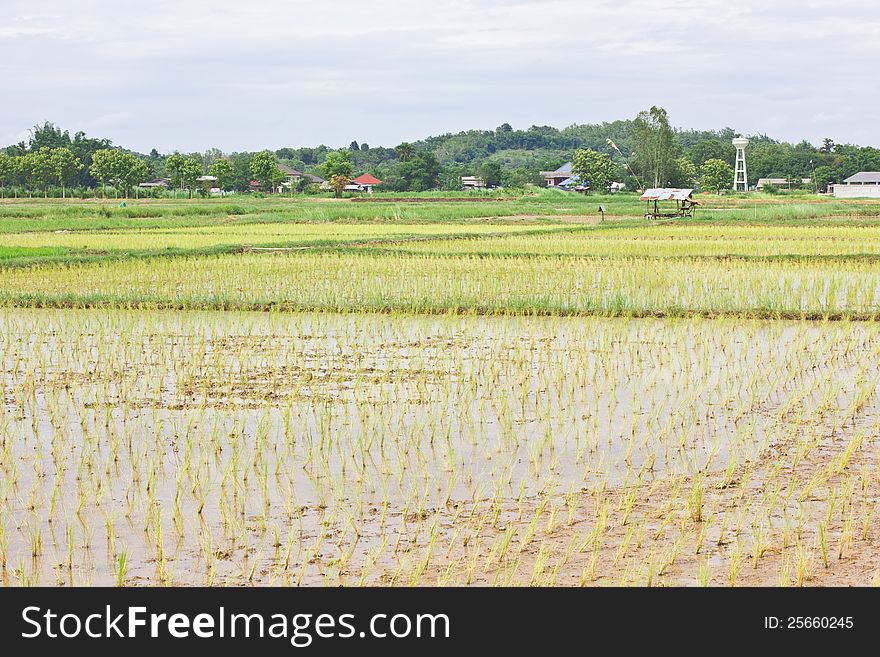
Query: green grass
x,y
18,253
355,282
671,240
541,254
17,217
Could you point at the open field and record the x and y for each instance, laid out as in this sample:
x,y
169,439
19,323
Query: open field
x,y
502,392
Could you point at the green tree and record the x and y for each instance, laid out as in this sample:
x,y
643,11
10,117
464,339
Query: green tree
x,y
404,151
132,171
655,146
597,169
183,171
123,170
264,168
241,171
716,175
685,173
490,172
338,184
174,169
417,174
223,171
48,135
712,149
824,176
522,177
190,170
38,169
64,166
8,170
337,165
102,167
5,168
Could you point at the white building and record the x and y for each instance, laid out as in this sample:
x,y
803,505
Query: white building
x,y
783,182
865,184
472,182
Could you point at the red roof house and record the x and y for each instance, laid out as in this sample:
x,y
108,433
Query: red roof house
x,y
367,182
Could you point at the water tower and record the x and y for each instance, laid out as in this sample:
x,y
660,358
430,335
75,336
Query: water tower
x,y
740,177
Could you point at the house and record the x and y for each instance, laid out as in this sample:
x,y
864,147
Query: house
x,y
290,177
684,202
209,184
472,182
553,178
782,182
293,176
865,184
575,184
366,182
165,183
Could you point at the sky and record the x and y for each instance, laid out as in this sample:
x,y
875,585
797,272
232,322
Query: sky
x,y
194,74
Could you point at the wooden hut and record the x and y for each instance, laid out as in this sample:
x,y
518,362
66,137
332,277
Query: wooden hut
x,y
684,200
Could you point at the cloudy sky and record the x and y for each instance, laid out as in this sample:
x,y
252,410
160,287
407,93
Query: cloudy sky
x,y
245,75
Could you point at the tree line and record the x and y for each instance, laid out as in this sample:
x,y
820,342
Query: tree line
x,y
642,152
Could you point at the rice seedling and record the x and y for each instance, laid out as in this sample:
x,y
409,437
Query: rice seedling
x,y
121,567
465,432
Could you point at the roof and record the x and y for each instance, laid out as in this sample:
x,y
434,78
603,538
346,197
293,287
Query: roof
x,y
667,194
314,179
864,178
367,179
574,180
288,171
783,181
565,169
562,172
206,179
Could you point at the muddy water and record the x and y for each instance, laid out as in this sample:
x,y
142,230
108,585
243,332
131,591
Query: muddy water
x,y
297,448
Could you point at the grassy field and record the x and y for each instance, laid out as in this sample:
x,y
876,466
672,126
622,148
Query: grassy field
x,y
289,391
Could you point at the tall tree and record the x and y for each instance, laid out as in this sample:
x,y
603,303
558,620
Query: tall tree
x,y
404,151
7,168
685,173
174,169
337,165
102,167
264,168
48,135
715,176
132,171
123,170
597,169
654,145
39,168
64,166
183,171
338,184
491,173
222,170
417,174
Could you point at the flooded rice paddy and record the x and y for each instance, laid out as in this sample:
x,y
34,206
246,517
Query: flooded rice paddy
x,y
297,448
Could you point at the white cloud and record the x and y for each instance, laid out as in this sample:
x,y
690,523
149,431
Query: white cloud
x,y
244,75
